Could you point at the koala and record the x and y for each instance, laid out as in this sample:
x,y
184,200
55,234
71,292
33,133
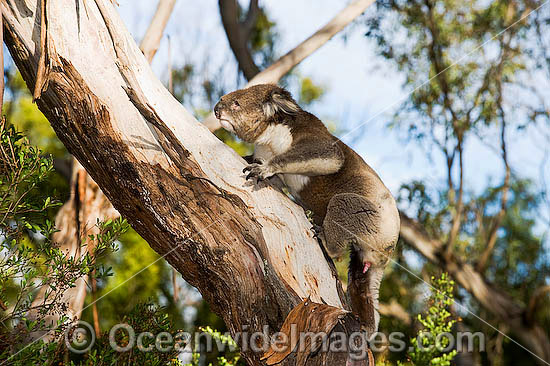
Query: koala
x,y
352,208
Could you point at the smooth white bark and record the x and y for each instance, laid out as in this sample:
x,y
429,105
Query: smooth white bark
x,y
150,42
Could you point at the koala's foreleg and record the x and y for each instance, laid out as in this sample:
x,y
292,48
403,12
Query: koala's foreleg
x,y
309,158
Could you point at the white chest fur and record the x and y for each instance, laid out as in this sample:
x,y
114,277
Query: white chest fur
x,y
295,183
276,140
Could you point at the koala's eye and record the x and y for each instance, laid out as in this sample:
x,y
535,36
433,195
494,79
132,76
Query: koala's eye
x,y
389,249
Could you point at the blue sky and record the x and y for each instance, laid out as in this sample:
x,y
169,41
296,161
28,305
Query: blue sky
x,y
361,87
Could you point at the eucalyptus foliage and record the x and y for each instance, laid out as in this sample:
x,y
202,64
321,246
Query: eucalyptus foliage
x,y
29,259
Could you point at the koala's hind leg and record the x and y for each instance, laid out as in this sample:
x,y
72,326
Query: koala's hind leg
x,y
350,219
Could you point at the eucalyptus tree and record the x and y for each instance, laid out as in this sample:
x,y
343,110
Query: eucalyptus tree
x,y
465,65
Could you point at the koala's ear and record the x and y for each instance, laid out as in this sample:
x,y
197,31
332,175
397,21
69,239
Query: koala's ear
x,y
280,101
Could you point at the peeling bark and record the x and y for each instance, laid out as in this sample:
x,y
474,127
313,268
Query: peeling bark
x,y
87,204
250,252
76,220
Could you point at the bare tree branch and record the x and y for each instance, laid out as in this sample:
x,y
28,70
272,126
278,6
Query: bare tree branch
x,y
41,74
493,233
151,41
238,33
534,302
282,66
251,17
458,202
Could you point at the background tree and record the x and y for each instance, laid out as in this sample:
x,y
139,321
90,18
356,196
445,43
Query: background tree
x,y
456,96
88,195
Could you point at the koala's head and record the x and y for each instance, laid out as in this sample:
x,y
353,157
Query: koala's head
x,y
248,112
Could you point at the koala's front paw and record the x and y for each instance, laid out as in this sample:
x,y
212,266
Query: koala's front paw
x,y
319,234
258,171
250,159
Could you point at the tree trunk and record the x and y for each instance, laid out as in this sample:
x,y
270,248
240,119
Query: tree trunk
x,y
87,203
250,252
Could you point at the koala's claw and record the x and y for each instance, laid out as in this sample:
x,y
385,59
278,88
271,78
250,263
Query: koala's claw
x,y
250,159
318,232
250,167
258,171
253,175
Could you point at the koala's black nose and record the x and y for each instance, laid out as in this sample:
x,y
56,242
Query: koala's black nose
x,y
217,110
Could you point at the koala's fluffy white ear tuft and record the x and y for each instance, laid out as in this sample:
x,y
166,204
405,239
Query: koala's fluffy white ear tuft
x,y
280,102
